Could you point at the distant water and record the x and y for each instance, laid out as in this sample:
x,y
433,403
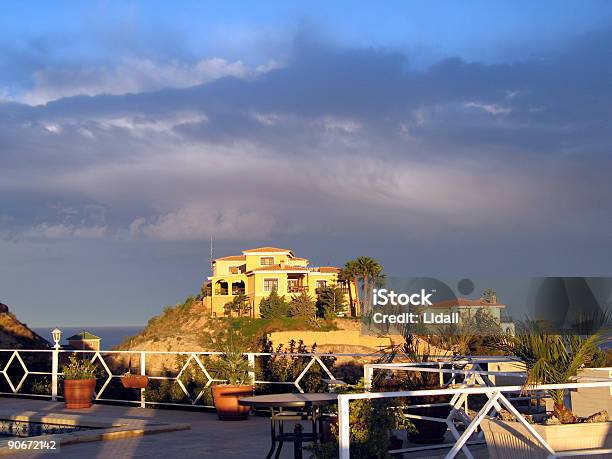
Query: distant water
x,y
111,336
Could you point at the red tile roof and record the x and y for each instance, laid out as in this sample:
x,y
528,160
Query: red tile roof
x,y
267,249
232,258
464,302
329,269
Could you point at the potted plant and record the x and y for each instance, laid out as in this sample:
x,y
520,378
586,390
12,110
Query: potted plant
x,y
79,382
232,368
549,358
373,424
133,381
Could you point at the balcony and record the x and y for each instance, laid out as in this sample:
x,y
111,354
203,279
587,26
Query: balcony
x,y
297,288
342,289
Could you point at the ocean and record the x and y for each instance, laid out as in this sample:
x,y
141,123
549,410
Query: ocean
x,y
110,336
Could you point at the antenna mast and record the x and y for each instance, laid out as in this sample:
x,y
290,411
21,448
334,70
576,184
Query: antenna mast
x,y
211,255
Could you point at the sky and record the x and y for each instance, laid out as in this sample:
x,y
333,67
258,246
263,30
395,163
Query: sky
x,y
442,138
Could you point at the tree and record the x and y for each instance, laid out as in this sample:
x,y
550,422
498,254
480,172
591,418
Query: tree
x,y
331,302
369,271
349,273
274,306
239,305
302,305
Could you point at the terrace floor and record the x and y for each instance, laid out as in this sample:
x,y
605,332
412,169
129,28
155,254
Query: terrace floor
x,y
208,437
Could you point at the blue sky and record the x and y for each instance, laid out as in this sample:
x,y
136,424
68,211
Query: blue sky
x,y
255,32
465,138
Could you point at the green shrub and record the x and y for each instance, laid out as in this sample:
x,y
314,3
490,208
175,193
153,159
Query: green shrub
x,y
239,306
79,369
371,424
286,367
274,306
302,305
331,302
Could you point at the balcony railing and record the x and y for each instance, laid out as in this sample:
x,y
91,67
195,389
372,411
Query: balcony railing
x,y
297,288
343,290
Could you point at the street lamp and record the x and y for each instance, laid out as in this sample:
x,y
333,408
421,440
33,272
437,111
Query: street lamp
x,y
57,336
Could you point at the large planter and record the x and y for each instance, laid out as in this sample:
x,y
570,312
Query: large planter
x,y
134,381
511,440
226,402
78,393
429,432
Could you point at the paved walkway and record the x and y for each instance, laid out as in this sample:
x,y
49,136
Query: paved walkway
x,y
208,437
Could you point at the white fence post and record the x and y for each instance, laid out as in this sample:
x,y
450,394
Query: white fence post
x,y
368,374
54,372
344,426
143,372
251,359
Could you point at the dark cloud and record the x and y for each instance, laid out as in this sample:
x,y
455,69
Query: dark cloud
x,y
483,167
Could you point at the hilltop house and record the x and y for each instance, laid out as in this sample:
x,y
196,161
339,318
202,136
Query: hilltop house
x,y
257,272
469,308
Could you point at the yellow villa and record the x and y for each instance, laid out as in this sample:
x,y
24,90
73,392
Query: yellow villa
x,y
257,272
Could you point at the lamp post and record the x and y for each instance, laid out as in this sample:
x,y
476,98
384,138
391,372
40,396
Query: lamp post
x,y
57,336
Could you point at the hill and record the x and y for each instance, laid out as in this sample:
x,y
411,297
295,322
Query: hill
x,y
15,334
182,327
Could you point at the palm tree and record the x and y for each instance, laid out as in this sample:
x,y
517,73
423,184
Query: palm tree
x,y
350,274
549,359
370,272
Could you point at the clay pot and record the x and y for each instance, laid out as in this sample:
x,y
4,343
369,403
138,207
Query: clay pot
x,y
78,393
226,402
134,381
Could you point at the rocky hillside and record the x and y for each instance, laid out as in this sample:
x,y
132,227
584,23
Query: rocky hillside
x,y
181,328
15,334
177,328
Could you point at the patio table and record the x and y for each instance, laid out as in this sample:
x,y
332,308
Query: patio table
x,y
310,404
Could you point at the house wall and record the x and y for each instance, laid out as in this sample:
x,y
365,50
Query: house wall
x,y
254,285
222,267
253,260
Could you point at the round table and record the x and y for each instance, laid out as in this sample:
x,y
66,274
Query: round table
x,y
309,404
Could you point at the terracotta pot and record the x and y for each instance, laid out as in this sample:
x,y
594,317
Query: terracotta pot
x,y
78,393
226,402
135,381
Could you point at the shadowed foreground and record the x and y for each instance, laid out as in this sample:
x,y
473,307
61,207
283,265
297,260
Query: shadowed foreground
x,y
207,437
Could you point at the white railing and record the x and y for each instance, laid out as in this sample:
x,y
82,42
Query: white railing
x,y
196,358
496,399
143,362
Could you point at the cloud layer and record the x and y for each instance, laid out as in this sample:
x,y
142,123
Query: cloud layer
x,y
115,176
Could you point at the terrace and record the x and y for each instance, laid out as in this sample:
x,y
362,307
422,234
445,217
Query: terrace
x,y
183,426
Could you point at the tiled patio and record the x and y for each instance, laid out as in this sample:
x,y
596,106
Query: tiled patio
x,y
207,438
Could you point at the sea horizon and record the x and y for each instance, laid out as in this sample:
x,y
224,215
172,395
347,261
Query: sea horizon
x,y
111,335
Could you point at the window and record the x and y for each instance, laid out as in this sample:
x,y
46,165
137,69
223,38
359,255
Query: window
x,y
266,261
321,283
270,285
